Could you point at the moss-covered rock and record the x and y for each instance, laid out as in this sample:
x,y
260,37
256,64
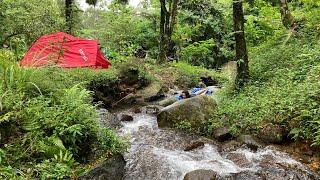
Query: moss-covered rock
x,y
194,110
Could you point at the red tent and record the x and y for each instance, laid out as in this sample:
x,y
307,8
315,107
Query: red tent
x,y
65,51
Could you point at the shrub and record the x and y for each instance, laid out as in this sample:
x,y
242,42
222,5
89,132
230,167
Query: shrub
x,y
46,112
205,53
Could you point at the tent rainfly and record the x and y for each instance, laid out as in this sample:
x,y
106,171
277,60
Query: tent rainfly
x,y
65,51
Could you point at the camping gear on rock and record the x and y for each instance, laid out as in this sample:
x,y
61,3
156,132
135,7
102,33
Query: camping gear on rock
x,y
65,51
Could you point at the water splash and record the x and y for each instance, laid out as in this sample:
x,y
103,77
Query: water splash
x,y
159,154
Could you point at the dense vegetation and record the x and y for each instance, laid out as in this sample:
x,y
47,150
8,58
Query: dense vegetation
x,y
48,126
284,87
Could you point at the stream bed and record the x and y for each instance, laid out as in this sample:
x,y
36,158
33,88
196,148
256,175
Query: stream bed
x,y
159,154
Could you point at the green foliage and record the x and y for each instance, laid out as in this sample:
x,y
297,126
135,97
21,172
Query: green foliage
x,y
22,22
189,75
47,120
205,53
133,71
283,89
202,35
184,125
122,30
262,21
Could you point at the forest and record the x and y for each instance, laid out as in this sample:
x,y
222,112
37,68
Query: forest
x,y
180,89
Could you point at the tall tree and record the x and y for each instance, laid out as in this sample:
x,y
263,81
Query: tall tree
x,y
167,23
286,17
241,47
69,15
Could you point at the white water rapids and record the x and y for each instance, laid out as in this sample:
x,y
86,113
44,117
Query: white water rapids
x,y
157,154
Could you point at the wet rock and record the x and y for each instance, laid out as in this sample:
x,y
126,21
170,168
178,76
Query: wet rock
x,y
201,174
194,145
136,110
222,134
111,169
239,159
230,146
250,142
194,110
153,109
107,119
272,133
244,175
155,97
273,168
126,117
153,92
168,101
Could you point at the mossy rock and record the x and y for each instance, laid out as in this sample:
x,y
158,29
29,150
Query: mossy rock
x,y
195,110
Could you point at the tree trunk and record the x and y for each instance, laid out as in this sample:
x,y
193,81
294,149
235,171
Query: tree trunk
x,y
167,23
162,55
68,14
241,47
286,16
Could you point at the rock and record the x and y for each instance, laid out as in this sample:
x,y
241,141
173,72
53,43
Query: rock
x,y
194,110
107,119
272,133
153,109
136,110
222,134
201,174
239,159
244,175
194,145
250,142
154,97
230,146
126,117
208,81
111,169
168,101
273,168
153,92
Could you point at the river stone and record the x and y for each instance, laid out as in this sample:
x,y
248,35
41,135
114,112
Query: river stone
x,y
107,119
239,159
126,117
201,174
222,134
194,110
250,142
244,175
111,169
136,110
194,145
168,101
271,133
228,146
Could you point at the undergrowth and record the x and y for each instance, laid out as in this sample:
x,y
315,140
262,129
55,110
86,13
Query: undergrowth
x,y
283,89
48,124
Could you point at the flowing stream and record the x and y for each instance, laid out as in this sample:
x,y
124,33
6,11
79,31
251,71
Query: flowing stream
x,y
156,154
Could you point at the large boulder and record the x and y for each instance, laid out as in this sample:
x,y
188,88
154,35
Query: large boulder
x,y
201,174
112,169
168,101
193,110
